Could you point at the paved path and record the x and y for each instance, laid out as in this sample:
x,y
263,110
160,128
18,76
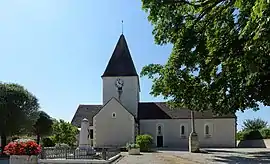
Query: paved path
x,y
213,156
151,158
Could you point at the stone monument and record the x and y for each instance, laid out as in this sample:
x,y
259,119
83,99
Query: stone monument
x,y
83,141
84,146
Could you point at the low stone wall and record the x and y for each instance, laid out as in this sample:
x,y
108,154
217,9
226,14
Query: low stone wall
x,y
265,143
78,161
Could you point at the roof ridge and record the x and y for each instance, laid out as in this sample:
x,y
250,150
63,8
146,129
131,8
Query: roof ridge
x,y
89,104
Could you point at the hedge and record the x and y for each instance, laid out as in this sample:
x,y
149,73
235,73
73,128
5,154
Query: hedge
x,y
254,134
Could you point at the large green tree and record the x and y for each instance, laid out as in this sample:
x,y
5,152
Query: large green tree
x,y
43,125
64,132
18,110
220,58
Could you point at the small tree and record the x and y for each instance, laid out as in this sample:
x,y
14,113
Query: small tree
x,y
255,124
43,125
145,142
64,132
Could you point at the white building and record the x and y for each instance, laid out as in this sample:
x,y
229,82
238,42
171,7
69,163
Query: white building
x,y
122,116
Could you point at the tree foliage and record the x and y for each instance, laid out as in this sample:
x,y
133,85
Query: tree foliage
x,y
254,124
18,110
220,58
43,125
64,132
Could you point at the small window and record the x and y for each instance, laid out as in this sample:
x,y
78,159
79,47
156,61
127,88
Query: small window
x,y
113,115
182,130
90,134
207,130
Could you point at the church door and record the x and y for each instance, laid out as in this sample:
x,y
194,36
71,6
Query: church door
x,y
159,136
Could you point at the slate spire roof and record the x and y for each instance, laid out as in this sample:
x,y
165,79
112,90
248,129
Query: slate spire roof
x,y
121,63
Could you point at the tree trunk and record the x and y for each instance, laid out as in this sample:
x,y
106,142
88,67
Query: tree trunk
x,y
38,138
3,141
192,122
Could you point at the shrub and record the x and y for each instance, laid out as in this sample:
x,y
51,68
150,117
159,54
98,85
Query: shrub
x,y
252,135
240,135
144,141
62,146
22,147
132,145
265,133
47,142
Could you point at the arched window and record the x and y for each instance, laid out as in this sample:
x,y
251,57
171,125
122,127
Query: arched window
x,y
182,130
159,130
206,129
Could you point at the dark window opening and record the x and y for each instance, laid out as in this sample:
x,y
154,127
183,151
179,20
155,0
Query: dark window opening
x,y
182,130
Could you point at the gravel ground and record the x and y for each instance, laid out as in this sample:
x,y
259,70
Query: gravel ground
x,y
222,156
212,156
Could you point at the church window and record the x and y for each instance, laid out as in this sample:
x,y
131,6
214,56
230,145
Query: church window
x,y
90,134
207,130
113,115
159,130
182,130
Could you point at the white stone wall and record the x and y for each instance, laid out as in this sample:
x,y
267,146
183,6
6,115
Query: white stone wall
x,y
221,131
130,95
112,131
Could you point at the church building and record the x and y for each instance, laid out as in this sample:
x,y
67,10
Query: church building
x,y
122,116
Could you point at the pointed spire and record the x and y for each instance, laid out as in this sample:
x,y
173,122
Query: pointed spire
x,y
121,63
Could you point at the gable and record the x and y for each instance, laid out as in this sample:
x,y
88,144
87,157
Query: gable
x,y
113,106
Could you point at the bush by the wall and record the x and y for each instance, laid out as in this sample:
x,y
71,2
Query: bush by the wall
x,y
132,145
144,141
47,142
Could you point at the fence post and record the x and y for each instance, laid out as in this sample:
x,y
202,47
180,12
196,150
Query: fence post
x,y
66,153
42,152
104,153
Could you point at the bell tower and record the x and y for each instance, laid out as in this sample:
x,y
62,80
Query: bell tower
x,y
120,78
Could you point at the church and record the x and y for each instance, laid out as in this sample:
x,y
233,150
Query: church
x,y
122,116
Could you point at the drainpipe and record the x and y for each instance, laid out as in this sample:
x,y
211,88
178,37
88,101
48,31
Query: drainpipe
x,y
192,122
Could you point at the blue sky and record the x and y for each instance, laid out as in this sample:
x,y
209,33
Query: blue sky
x,y
59,49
